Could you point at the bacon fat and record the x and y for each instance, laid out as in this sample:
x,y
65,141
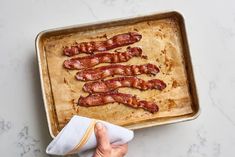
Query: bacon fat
x,y
119,82
104,57
111,97
116,69
111,43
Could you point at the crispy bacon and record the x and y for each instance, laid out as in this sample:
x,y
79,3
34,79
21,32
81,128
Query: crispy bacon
x,y
111,97
111,43
112,84
104,57
116,69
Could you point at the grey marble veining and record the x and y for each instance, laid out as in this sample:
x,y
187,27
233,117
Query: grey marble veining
x,y
27,145
211,34
5,126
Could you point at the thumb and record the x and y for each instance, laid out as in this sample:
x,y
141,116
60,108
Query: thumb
x,y
103,145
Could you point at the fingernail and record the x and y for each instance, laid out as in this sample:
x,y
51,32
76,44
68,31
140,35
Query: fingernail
x,y
99,126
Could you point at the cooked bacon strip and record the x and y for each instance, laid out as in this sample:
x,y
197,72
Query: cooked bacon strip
x,y
111,43
105,57
112,84
111,97
116,69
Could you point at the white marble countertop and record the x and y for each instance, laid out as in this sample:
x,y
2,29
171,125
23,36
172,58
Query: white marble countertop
x,y
211,34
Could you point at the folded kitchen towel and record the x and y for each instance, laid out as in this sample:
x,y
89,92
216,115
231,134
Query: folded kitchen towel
x,y
78,137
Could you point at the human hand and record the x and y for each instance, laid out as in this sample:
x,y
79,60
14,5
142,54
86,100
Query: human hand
x,y
104,148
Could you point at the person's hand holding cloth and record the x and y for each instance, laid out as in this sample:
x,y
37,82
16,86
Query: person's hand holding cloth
x,y
91,138
104,148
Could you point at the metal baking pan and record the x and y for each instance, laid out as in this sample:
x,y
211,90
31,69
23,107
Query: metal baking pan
x,y
164,41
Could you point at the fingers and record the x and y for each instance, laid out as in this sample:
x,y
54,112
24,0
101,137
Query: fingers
x,y
120,151
103,145
104,149
101,135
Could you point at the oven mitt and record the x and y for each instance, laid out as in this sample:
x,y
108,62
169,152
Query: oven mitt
x,y
78,137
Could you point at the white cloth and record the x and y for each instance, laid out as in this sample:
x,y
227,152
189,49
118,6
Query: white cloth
x,y
82,129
